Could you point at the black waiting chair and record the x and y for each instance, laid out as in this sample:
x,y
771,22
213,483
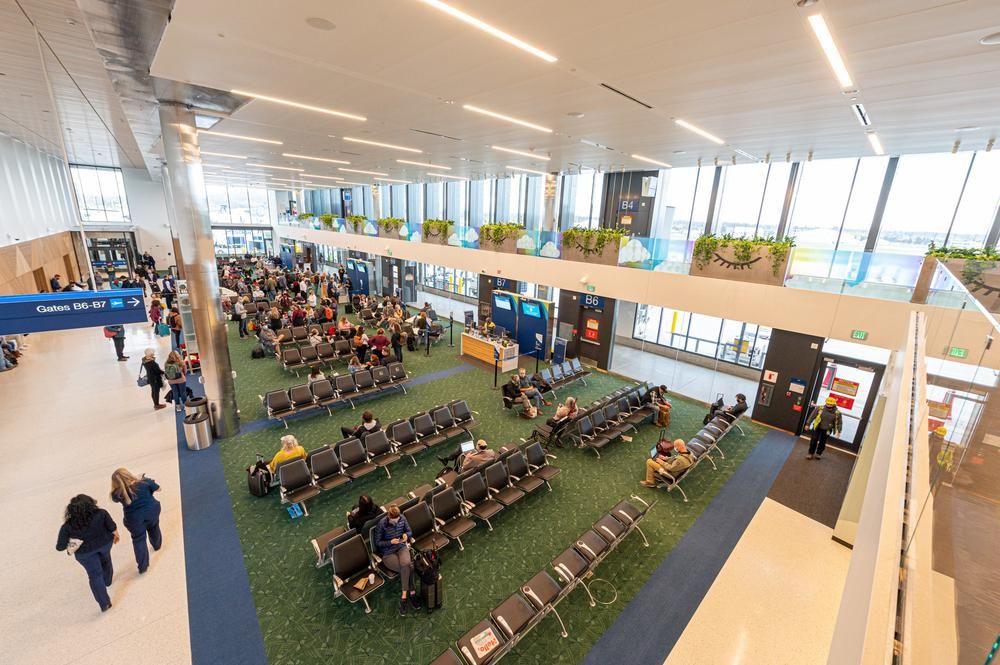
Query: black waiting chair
x,y
380,451
351,563
278,405
405,438
296,483
354,458
327,470
324,394
477,499
499,485
302,398
451,515
426,536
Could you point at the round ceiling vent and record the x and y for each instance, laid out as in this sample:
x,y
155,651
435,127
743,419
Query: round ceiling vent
x,y
320,23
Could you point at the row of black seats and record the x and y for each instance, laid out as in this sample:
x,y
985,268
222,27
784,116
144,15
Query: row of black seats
x,y
701,446
309,356
336,464
437,516
344,389
607,419
563,374
496,635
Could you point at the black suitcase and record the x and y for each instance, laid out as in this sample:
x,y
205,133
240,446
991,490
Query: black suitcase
x,y
259,477
432,594
428,569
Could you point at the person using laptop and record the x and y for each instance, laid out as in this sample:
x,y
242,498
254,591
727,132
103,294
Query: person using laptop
x,y
662,461
482,455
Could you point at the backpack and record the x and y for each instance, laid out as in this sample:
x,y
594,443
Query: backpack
x,y
110,332
258,352
172,371
259,477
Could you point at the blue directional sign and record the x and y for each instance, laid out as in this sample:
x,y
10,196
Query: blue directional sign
x,y
70,309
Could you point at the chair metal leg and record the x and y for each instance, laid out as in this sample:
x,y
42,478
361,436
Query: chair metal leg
x,y
461,547
489,527
645,542
387,474
368,609
562,626
590,596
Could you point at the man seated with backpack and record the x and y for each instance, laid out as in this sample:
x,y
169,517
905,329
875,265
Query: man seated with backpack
x,y
664,462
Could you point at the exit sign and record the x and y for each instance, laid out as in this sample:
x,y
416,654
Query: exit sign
x,y
957,352
859,334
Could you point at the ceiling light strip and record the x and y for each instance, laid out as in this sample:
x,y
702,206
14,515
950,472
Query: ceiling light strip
x,y
212,132
518,168
325,177
501,116
875,143
447,175
405,182
652,161
424,164
822,31
298,105
699,131
382,145
365,172
315,159
489,29
223,154
523,153
272,166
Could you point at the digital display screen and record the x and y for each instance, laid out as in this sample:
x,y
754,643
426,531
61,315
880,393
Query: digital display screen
x,y
532,309
501,303
362,268
350,265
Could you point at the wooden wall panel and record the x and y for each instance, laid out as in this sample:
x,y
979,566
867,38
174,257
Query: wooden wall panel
x,y
17,262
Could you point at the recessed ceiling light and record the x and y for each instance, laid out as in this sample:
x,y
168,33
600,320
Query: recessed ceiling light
x,y
699,131
575,114
365,172
744,153
425,164
818,24
489,29
382,145
212,132
279,168
680,152
500,116
651,161
968,128
875,143
316,159
521,152
320,23
518,168
325,177
223,154
307,107
991,40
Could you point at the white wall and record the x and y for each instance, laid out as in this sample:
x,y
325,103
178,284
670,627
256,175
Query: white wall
x,y
148,209
35,197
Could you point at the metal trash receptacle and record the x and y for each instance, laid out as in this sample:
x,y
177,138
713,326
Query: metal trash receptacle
x,y
198,431
196,406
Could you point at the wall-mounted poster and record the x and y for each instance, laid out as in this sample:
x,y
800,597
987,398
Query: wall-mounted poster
x,y
845,387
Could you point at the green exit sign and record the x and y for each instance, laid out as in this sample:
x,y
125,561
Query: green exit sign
x,y
957,352
859,334
591,288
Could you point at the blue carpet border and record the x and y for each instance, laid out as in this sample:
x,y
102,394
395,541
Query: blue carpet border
x,y
650,625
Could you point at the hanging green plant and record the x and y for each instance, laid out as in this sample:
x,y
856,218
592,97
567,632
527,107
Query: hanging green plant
x,y
434,228
305,215
327,221
496,234
706,247
390,225
975,254
356,221
593,241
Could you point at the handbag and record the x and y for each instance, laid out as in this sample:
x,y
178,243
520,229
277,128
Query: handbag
x,y
73,545
143,379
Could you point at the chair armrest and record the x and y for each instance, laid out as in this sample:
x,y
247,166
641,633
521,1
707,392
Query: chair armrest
x,y
550,456
514,477
261,398
337,583
532,467
640,500
439,521
468,504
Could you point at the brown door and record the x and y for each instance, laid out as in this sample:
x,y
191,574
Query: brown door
x,y
41,283
70,270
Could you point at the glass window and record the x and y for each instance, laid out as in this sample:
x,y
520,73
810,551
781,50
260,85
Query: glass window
x,y
578,206
100,193
434,200
820,201
259,208
414,204
978,206
218,203
864,199
480,202
647,323
922,201
534,198
741,195
774,199
398,199
456,208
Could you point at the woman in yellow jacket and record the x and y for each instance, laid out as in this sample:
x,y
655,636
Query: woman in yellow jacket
x,y
290,449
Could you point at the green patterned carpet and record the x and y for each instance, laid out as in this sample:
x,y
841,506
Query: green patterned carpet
x,y
302,622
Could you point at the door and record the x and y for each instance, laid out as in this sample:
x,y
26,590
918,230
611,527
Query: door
x,y
854,384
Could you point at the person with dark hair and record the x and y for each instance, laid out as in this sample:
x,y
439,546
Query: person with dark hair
x,y
369,424
142,512
397,341
740,407
391,539
88,533
361,513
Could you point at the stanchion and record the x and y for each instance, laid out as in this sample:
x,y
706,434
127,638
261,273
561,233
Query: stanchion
x,y
451,324
496,372
538,352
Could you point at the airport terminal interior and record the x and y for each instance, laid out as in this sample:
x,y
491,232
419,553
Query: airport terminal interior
x,y
455,332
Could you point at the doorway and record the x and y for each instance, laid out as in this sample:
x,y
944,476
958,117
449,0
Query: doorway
x,y
854,384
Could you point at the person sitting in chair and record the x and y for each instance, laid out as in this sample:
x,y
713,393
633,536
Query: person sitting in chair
x,y
290,449
481,455
512,392
675,465
368,425
529,390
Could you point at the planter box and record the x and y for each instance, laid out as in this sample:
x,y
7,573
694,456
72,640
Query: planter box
x,y
724,265
508,246
981,278
438,238
608,256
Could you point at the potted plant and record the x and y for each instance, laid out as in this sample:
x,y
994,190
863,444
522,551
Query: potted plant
x,y
326,221
389,226
757,259
500,236
977,269
303,216
356,222
438,229
593,245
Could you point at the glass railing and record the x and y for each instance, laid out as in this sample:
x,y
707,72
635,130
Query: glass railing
x,y
880,275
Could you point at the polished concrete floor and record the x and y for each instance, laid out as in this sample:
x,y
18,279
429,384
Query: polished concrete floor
x,y
72,415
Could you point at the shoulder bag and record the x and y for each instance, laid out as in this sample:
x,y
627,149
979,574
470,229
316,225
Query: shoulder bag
x,y
143,379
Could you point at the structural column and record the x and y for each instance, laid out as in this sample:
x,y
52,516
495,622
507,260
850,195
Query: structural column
x,y
193,230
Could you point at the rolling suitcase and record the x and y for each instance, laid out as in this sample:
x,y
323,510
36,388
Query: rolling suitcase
x,y
428,568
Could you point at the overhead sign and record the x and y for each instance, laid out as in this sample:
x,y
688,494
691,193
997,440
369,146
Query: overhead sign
x,y
592,302
859,334
958,352
70,309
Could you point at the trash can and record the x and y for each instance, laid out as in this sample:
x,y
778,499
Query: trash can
x,y
198,431
196,406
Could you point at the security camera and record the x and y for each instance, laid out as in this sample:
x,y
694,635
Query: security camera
x,y
583,280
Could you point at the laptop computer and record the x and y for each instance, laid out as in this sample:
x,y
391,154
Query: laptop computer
x,y
467,446
652,453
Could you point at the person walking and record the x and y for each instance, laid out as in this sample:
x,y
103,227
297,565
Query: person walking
x,y
173,369
240,314
824,422
88,533
117,334
155,312
397,341
176,328
142,512
155,377
168,290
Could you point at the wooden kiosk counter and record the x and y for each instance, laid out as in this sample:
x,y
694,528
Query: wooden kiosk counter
x,y
484,349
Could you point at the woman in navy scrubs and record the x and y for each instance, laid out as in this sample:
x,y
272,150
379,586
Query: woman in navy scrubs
x,y
88,533
142,512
